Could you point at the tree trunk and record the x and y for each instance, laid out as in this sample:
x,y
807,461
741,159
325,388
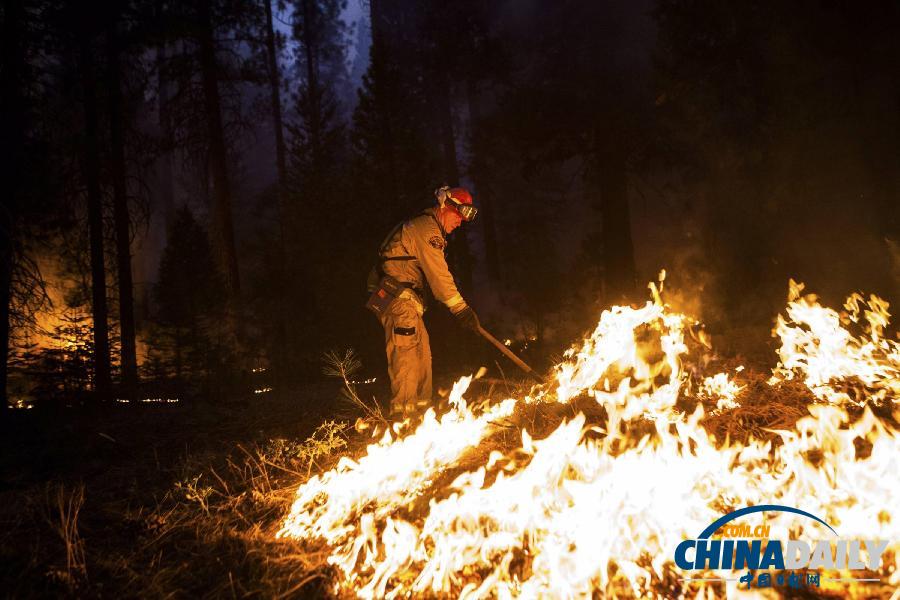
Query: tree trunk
x,y
12,107
121,217
164,167
5,293
222,224
484,199
275,83
379,65
281,341
312,82
91,173
460,255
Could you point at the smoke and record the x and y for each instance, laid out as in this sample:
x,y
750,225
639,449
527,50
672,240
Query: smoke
x,y
728,263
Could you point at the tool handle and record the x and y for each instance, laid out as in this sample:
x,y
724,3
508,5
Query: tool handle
x,y
509,354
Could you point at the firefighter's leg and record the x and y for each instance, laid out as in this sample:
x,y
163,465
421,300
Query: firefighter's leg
x,y
424,388
403,334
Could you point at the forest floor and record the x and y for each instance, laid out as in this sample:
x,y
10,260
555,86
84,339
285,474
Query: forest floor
x,y
183,501
129,500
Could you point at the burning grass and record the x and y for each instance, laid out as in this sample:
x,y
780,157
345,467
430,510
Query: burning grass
x,y
481,498
763,411
595,500
211,532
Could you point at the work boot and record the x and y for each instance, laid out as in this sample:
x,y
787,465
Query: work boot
x,y
423,405
405,411
398,411
418,408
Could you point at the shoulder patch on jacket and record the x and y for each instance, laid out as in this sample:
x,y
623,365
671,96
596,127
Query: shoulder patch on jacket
x,y
437,242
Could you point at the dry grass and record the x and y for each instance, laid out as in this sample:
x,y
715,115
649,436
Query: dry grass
x,y
762,411
344,367
203,524
63,507
231,511
180,502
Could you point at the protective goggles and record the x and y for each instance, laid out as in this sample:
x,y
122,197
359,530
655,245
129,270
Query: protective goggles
x,y
466,211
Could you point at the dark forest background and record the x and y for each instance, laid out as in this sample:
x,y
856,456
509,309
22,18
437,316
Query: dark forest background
x,y
211,179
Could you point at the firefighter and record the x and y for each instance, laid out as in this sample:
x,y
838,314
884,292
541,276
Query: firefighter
x,y
411,257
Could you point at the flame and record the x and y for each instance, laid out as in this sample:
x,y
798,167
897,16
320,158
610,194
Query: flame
x,y
587,510
818,346
722,388
389,475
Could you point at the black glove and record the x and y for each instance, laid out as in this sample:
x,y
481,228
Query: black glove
x,y
468,319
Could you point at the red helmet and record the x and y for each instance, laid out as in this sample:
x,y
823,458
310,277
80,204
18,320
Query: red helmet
x,y
461,195
460,199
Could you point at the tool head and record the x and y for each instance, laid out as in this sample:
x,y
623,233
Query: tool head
x,y
510,354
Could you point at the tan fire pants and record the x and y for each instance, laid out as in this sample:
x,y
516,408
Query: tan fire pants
x,y
408,355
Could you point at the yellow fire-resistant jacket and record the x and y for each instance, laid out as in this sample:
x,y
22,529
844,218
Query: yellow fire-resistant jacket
x,y
414,255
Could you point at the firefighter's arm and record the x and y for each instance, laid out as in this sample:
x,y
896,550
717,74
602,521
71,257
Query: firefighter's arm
x,y
430,252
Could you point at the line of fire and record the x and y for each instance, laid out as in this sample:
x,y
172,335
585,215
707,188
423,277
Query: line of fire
x,y
472,299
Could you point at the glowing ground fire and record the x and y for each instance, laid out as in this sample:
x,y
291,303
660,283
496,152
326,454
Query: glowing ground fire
x,y
574,514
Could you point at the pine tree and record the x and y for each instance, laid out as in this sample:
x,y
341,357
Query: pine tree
x,y
85,37
280,314
121,217
398,153
222,223
316,203
191,299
